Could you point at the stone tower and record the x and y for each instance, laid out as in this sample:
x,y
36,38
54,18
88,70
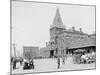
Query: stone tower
x,y
57,26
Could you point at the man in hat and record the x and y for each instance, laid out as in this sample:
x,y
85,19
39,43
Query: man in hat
x,y
58,61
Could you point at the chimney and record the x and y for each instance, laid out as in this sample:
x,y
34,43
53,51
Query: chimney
x,y
73,28
80,29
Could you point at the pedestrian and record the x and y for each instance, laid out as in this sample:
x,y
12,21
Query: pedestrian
x,y
63,60
14,64
21,61
32,64
58,61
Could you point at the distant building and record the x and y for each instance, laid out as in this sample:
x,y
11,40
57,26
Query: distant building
x,y
30,52
43,52
62,40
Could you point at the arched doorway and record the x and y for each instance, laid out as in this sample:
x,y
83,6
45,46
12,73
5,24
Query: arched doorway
x,y
51,53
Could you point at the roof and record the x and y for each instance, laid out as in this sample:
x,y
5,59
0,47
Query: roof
x,y
75,32
87,42
83,43
57,22
92,35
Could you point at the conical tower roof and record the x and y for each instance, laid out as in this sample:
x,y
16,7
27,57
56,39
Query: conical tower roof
x,y
57,22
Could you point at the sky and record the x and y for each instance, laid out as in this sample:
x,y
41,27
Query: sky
x,y
31,21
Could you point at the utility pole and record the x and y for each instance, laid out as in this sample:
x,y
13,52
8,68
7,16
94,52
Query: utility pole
x,y
14,46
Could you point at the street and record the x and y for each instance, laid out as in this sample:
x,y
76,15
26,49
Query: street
x,y
47,65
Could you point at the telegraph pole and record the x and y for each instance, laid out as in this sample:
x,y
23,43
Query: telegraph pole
x,y
14,46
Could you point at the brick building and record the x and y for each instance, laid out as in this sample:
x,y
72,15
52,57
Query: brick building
x,y
62,40
30,52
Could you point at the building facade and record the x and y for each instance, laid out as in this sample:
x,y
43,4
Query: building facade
x,y
62,40
30,52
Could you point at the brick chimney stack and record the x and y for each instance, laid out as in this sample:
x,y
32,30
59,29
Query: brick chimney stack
x,y
73,28
80,29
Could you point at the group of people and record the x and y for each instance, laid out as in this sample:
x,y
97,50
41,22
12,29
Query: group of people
x,y
77,58
14,62
29,64
59,61
84,58
89,57
26,64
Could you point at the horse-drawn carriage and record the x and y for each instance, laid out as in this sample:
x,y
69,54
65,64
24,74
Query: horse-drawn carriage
x,y
81,58
88,58
28,64
15,60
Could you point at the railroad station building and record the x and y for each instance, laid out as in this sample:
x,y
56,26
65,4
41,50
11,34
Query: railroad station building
x,y
63,41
